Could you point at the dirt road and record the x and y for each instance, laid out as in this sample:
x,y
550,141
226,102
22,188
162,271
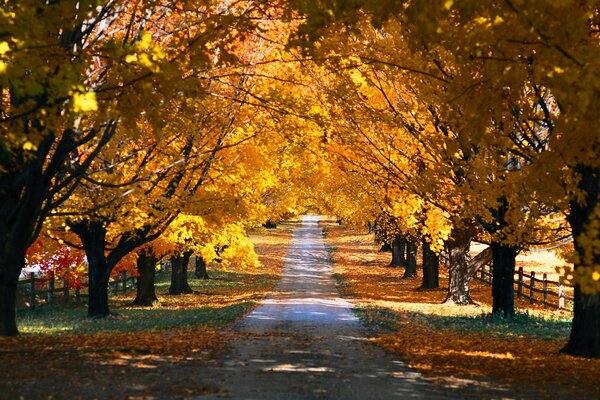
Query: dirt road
x,y
304,342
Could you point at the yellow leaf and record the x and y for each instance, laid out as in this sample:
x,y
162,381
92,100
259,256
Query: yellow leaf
x,y
28,146
4,48
131,58
84,102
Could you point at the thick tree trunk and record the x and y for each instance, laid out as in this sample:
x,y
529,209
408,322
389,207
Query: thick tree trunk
x,y
411,259
431,268
584,340
398,249
146,267
503,273
99,274
10,269
92,234
179,270
386,247
458,252
201,272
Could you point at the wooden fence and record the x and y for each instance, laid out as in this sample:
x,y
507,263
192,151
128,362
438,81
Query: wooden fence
x,y
47,290
550,293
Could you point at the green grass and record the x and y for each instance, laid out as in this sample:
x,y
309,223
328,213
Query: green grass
x,y
72,318
380,317
521,325
61,320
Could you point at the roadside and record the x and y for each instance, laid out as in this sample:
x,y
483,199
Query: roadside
x,y
454,345
141,352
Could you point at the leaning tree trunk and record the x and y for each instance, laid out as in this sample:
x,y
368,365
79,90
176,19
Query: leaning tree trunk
x,y
584,340
11,265
201,272
431,268
398,249
411,259
458,252
179,270
146,267
503,274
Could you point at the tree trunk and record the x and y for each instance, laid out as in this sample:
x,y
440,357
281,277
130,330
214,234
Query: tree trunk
x,y
503,273
411,259
481,259
10,269
458,252
584,340
398,248
431,268
270,224
201,272
92,234
99,274
179,269
146,267
386,247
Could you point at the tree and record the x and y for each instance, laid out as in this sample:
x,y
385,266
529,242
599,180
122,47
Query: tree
x,y
50,116
488,68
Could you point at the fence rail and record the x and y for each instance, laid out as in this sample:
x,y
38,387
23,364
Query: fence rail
x,y
50,287
527,285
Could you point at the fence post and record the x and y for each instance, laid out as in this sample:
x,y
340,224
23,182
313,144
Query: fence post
x,y
561,296
545,283
531,288
520,283
124,279
482,273
32,290
50,287
77,295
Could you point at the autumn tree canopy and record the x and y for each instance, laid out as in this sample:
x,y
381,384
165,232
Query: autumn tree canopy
x,y
141,125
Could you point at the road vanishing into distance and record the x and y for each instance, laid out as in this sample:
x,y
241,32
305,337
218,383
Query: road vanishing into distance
x,y
304,342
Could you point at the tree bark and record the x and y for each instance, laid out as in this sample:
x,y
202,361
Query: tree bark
x,y
26,193
411,259
584,340
503,273
431,268
398,249
481,259
10,269
92,234
179,269
146,267
201,272
458,252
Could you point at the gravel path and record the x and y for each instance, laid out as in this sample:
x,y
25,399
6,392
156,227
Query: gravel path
x,y
304,342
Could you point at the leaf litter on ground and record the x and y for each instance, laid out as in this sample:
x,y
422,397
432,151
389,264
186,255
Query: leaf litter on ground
x,y
450,343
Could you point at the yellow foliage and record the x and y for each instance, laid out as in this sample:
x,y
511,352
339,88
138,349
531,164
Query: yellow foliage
x,y
84,101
